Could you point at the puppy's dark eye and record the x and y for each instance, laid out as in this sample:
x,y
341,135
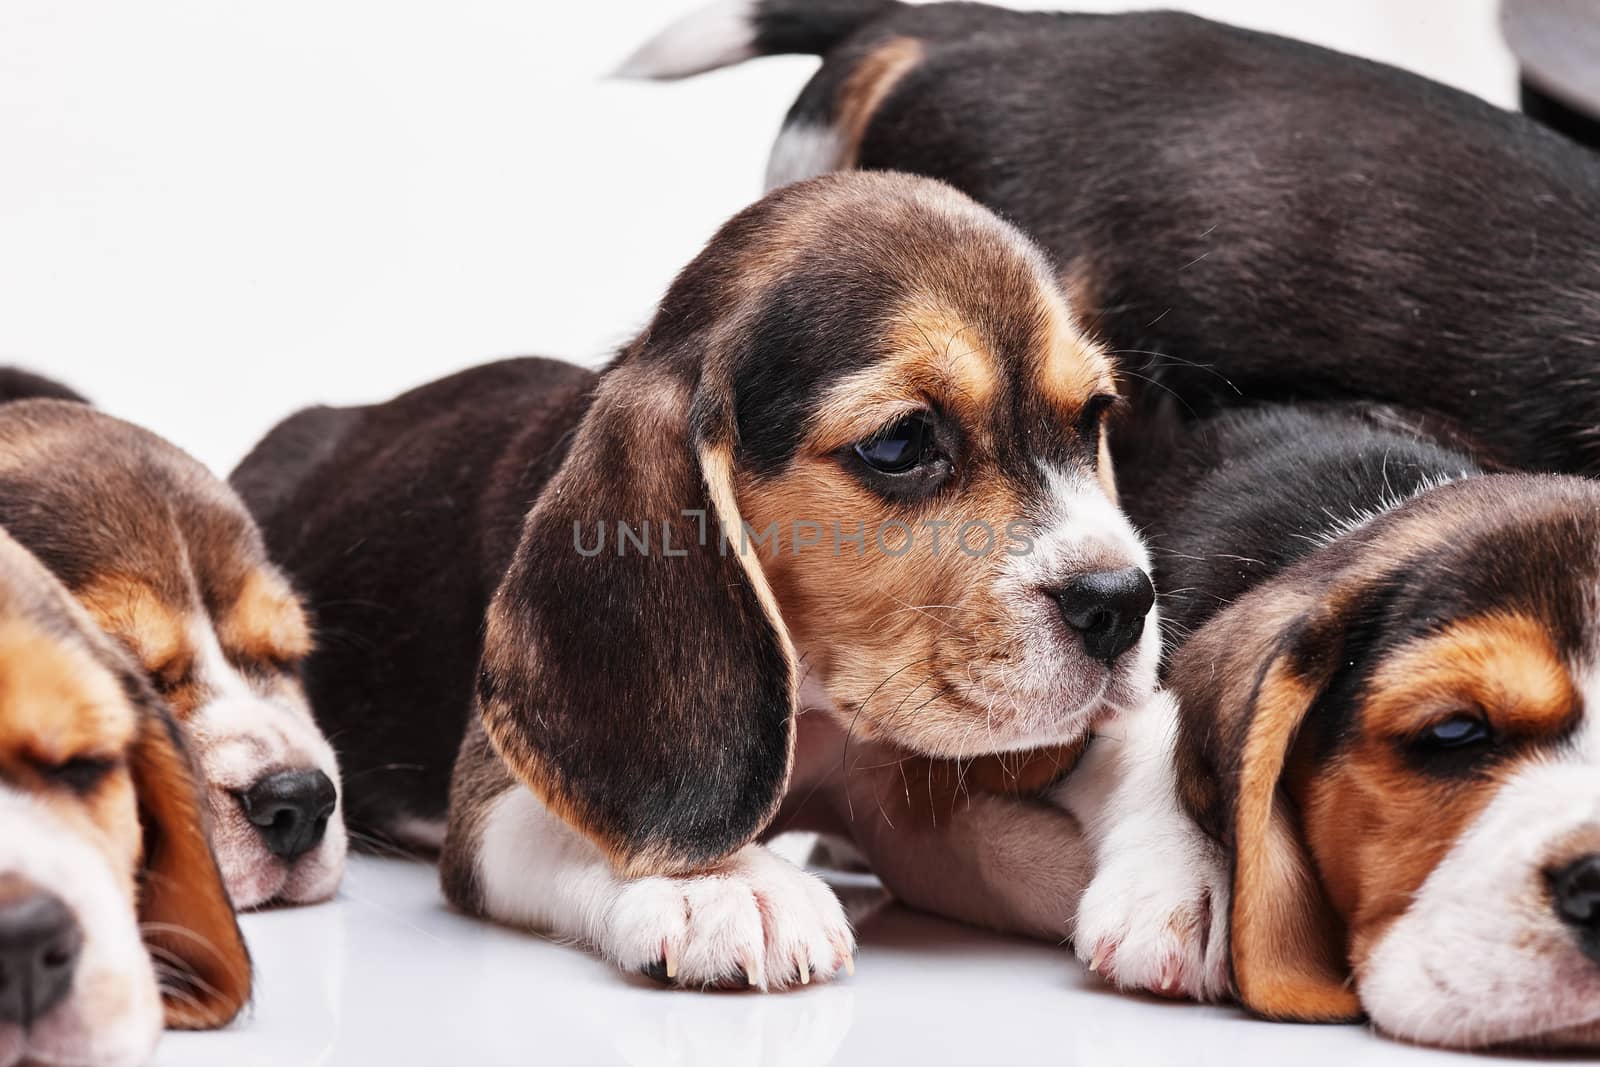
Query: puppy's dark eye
x,y
81,774
1093,414
1462,730
900,448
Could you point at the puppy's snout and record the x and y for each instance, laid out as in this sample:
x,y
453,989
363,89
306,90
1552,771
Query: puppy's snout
x,y
1576,888
1107,609
39,946
290,810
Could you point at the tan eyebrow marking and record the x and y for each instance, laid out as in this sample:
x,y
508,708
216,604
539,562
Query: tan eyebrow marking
x,y
1073,367
130,611
266,621
1504,661
935,356
56,701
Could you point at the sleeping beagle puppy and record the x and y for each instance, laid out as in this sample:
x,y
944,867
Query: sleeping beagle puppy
x,y
167,561
832,545
112,909
1233,213
1389,695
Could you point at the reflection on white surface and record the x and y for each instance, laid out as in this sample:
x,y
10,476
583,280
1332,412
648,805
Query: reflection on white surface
x,y
699,1031
386,975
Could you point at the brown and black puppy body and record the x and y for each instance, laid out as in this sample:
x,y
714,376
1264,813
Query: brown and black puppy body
x,y
1388,701
113,912
169,563
710,599
399,521
1234,213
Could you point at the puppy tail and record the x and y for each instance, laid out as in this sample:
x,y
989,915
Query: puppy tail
x,y
19,384
731,31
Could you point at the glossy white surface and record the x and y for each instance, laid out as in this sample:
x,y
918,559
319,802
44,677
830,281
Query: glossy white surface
x,y
386,975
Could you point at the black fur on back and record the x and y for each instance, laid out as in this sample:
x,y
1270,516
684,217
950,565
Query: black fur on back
x,y
1244,217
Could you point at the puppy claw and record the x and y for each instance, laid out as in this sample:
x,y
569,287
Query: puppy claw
x,y
1170,984
805,966
843,955
671,963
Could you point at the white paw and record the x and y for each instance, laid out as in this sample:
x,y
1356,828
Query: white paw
x,y
755,920
1155,919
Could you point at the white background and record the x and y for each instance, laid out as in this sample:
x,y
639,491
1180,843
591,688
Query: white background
x,y
213,212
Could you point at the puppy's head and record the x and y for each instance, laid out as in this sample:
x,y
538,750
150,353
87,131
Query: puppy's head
x,y
110,898
859,445
168,562
1398,738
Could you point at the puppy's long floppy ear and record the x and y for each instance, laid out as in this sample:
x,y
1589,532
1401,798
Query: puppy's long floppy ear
x,y
185,916
1246,683
645,694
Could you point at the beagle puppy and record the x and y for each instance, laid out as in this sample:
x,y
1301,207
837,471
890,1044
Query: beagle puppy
x,y
112,909
832,545
1233,213
1388,695
167,561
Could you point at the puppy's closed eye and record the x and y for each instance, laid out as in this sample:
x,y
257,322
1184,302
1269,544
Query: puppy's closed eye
x,y
81,774
267,666
1461,730
1461,742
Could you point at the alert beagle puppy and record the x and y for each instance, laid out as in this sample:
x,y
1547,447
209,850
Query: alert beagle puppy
x,y
1233,213
1389,717
832,545
166,560
113,913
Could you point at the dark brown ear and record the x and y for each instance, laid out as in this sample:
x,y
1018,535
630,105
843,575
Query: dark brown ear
x,y
638,678
185,916
1246,683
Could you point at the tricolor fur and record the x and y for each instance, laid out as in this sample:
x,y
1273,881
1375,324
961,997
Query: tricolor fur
x,y
1239,216
113,913
1386,664
793,635
168,562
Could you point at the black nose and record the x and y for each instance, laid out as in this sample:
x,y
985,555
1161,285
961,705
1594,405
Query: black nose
x,y
1107,609
39,946
290,809
1576,888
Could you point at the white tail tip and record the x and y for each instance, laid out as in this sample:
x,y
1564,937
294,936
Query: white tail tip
x,y
718,35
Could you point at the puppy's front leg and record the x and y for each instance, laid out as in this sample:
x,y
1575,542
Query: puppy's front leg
x,y
1155,916
753,919
1010,864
